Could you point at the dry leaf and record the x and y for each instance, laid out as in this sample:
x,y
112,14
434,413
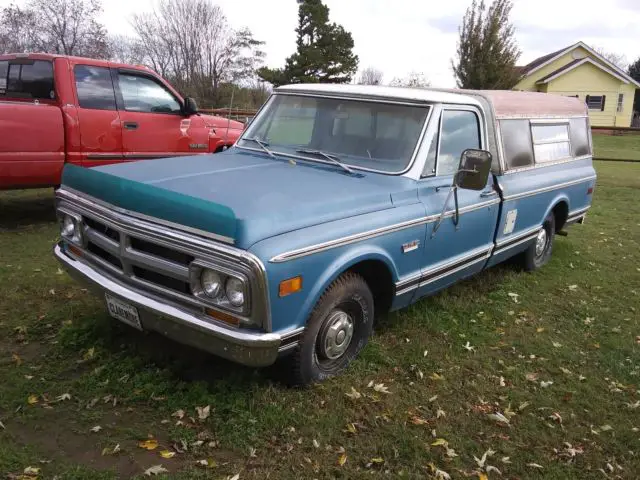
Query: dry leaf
x,y
468,347
235,477
353,394
203,412
155,470
534,465
315,443
96,429
514,296
167,454
439,442
2,426
17,359
418,420
482,476
64,396
546,384
485,455
32,471
342,459
351,428
33,399
499,417
532,377
178,414
150,444
380,387
207,463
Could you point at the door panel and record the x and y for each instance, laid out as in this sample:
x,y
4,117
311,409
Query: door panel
x,y
153,125
454,250
98,118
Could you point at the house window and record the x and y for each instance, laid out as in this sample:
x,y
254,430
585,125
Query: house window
x,y
550,142
620,102
595,102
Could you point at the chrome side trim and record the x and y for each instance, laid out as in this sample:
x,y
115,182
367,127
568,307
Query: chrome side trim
x,y
196,245
549,188
513,238
461,267
73,194
339,242
548,164
578,212
402,283
510,245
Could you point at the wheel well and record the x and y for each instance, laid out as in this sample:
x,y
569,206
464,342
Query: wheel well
x,y
219,149
378,277
560,212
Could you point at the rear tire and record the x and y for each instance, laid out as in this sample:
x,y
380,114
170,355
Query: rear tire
x,y
539,252
338,328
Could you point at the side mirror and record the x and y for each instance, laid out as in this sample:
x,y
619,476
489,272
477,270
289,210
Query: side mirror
x,y
190,106
473,171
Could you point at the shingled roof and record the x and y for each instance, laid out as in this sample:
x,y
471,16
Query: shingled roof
x,y
525,69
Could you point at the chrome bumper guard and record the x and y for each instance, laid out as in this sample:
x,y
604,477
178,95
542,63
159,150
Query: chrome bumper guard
x,y
247,348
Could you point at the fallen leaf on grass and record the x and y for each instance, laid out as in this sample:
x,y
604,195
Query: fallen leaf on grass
x,y
207,463
32,400
203,412
2,426
440,413
353,394
96,429
556,344
573,288
436,376
546,384
534,465
468,347
482,476
17,359
64,396
167,454
155,470
111,451
342,459
439,474
89,354
481,461
514,296
316,443
235,477
178,414
606,428
150,444
532,377
31,471
380,387
439,442
499,417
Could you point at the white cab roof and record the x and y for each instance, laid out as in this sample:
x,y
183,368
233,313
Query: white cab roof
x,y
505,103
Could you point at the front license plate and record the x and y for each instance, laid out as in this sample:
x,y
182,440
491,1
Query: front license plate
x,y
123,311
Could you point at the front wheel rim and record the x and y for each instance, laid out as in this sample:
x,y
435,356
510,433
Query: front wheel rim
x,y
541,242
336,335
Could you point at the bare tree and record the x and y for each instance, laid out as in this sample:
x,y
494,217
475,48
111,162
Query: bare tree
x,y
413,80
370,76
192,43
126,49
619,60
69,27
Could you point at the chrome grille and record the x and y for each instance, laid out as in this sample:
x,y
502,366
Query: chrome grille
x,y
152,256
137,258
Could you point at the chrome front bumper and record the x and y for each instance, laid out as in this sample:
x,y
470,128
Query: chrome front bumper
x,y
247,348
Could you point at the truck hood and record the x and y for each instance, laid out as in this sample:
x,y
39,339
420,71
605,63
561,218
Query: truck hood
x,y
242,196
220,122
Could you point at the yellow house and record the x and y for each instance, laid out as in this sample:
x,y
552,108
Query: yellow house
x,y
579,71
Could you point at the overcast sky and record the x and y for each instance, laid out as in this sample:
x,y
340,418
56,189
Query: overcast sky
x,y
400,36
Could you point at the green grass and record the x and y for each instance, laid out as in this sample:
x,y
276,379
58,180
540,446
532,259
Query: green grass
x,y
617,147
576,324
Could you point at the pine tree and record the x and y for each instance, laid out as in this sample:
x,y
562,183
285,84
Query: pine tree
x,y
324,50
487,51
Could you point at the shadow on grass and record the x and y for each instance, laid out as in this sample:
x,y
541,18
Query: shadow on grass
x,y
24,208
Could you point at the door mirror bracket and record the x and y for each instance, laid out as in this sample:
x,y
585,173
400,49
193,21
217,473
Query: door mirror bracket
x,y
472,174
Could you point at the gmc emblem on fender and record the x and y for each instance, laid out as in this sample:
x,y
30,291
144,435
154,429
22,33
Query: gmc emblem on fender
x,y
198,146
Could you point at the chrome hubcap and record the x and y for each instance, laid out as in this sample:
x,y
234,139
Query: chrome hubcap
x,y
337,335
541,242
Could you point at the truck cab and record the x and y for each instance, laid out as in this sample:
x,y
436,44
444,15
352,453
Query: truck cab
x,y
338,202
58,109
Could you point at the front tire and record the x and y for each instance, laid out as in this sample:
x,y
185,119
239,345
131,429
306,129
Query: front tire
x,y
338,328
539,252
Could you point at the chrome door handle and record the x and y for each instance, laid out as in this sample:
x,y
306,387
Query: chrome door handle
x,y
488,193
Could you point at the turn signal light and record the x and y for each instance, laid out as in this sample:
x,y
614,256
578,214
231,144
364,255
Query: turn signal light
x,y
75,250
223,317
589,190
292,285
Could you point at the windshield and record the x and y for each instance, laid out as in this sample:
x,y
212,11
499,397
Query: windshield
x,y
365,134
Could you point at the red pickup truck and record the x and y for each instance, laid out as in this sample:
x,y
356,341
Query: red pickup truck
x,y
57,109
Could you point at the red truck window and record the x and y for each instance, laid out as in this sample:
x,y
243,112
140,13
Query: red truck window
x,y
142,94
94,87
27,79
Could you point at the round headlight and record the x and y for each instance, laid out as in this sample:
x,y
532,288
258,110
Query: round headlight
x,y
235,291
211,283
68,226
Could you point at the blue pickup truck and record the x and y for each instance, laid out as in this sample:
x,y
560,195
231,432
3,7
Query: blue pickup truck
x,y
338,202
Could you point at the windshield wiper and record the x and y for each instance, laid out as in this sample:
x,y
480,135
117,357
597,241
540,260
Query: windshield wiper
x,y
262,143
332,158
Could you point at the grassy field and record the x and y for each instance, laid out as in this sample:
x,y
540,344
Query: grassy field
x,y
508,375
620,147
